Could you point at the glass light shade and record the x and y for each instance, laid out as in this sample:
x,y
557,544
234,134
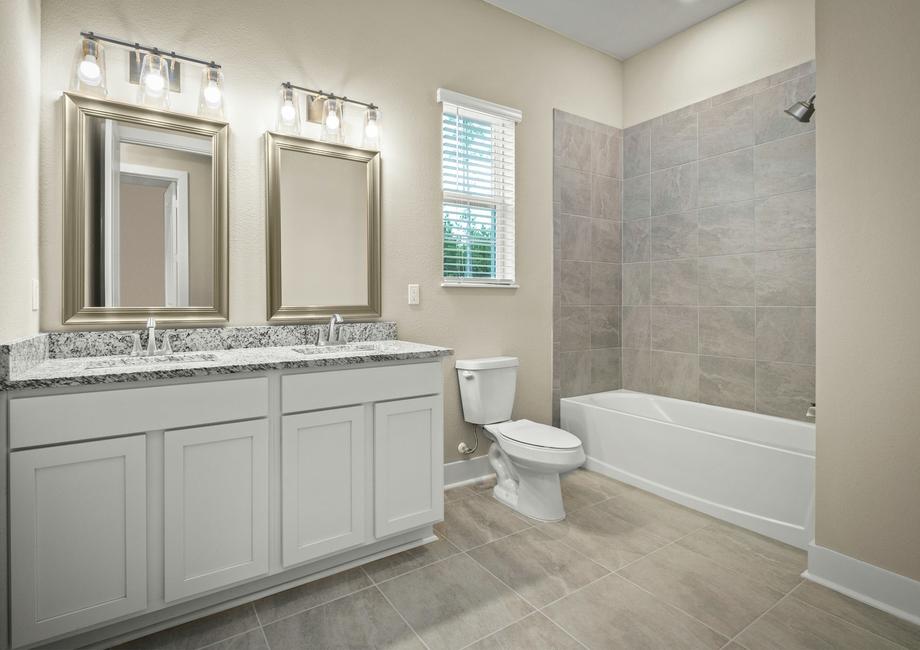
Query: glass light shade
x,y
333,125
211,94
154,81
89,68
288,111
372,128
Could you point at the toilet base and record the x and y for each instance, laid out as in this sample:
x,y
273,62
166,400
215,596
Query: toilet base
x,y
534,494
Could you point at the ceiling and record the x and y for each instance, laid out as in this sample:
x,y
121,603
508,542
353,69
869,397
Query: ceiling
x,y
620,28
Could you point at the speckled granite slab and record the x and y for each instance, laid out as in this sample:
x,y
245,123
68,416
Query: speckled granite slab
x,y
75,371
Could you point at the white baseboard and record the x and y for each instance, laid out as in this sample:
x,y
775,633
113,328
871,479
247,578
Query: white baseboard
x,y
896,594
465,472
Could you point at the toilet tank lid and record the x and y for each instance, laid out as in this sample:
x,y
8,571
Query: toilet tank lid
x,y
487,363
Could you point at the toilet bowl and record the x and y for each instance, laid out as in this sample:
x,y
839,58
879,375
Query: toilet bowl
x,y
527,457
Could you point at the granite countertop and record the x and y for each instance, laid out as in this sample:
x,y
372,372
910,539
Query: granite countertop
x,y
75,371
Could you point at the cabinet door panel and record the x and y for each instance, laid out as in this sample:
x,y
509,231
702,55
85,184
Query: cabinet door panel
x,y
216,506
323,483
408,464
78,523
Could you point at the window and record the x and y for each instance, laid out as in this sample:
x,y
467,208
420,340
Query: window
x,y
477,184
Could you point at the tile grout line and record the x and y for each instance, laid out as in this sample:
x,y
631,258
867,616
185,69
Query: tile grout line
x,y
261,627
764,613
399,613
312,607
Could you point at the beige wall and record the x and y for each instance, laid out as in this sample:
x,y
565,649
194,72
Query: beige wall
x,y
19,101
747,42
868,467
396,54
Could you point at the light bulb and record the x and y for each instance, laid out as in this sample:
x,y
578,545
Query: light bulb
x,y
288,113
154,83
212,94
332,121
371,131
89,71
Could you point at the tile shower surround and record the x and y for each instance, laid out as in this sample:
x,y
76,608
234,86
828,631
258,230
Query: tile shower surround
x,y
587,229
717,258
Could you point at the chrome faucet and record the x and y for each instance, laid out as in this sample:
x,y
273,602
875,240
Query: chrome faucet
x,y
333,335
152,349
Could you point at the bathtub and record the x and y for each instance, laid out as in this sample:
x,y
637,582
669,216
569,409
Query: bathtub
x,y
755,471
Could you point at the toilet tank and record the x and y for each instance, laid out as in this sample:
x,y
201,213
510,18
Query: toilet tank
x,y
487,388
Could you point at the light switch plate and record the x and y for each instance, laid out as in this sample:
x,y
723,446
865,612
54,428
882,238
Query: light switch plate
x,y
413,294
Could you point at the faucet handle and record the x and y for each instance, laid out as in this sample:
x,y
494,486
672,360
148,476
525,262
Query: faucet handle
x,y
136,349
166,348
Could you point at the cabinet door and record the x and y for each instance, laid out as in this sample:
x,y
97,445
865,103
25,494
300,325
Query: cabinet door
x,y
215,506
78,526
408,464
322,483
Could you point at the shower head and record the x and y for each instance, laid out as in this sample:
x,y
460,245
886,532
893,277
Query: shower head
x,y
802,111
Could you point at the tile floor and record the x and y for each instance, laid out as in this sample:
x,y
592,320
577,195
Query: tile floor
x,y
625,570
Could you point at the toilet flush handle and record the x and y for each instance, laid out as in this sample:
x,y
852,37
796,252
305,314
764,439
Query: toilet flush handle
x,y
468,375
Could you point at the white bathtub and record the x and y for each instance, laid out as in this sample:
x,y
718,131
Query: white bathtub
x,y
756,471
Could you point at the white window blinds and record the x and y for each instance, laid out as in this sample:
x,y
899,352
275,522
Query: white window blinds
x,y
477,182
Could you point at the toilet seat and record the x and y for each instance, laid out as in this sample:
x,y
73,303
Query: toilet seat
x,y
535,434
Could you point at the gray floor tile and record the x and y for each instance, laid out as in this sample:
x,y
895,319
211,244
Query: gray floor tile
x,y
777,565
857,613
454,602
608,540
582,488
252,640
663,518
414,558
535,631
611,613
202,632
301,598
362,620
471,522
538,567
456,494
724,600
794,625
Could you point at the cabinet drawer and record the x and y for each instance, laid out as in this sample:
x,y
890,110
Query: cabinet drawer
x,y
328,389
52,419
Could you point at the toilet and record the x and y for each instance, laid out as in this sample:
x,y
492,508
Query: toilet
x,y
527,457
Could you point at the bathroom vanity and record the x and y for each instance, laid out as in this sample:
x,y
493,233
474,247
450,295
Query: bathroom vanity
x,y
146,492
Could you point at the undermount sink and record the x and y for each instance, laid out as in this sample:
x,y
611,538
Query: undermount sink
x,y
347,347
133,362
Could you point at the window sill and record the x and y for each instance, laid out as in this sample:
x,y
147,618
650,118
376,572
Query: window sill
x,y
479,285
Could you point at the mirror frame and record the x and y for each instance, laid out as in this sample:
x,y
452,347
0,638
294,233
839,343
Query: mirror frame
x,y
278,312
77,108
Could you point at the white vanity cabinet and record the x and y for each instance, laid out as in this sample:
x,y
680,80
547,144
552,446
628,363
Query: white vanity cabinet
x,y
78,544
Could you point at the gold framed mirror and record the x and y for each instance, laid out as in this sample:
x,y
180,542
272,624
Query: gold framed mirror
x,y
323,230
145,216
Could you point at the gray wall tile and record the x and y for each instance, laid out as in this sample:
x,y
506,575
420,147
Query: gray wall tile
x,y
636,365
557,227
605,154
575,328
675,329
636,240
727,331
575,191
675,282
786,278
727,382
674,374
727,280
784,389
786,334
605,370
605,284
674,140
576,282
604,326
637,327
674,236
727,178
770,120
572,145
786,165
605,198
576,238
575,376
606,244
727,229
636,283
636,198
637,153
674,190
785,221
799,70
727,127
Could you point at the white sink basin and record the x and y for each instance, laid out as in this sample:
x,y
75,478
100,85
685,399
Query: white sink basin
x,y
134,362
372,346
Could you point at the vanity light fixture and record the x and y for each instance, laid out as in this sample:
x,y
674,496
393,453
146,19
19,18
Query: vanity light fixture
x,y
332,117
157,73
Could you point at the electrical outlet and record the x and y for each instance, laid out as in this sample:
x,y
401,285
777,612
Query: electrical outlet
x,y
413,294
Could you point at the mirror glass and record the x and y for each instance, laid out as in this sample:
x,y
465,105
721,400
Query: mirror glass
x,y
150,221
323,230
